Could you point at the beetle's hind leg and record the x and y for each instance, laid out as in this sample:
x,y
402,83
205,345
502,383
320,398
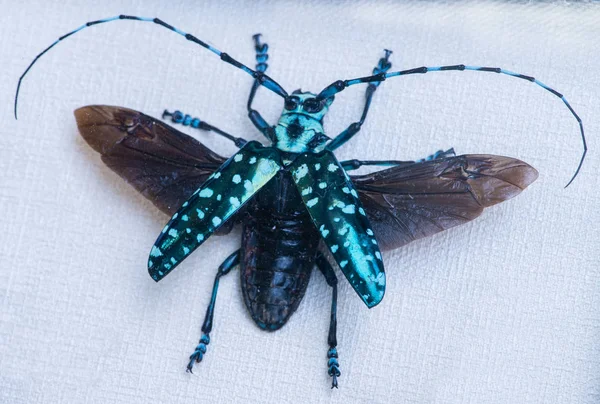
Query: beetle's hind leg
x,y
224,268
332,355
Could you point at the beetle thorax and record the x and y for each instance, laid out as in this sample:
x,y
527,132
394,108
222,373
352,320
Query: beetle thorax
x,y
300,127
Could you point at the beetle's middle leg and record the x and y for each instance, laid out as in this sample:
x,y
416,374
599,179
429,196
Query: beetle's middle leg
x,y
187,120
332,355
355,164
383,66
224,268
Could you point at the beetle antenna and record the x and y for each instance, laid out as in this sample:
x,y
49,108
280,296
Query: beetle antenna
x,y
340,85
259,76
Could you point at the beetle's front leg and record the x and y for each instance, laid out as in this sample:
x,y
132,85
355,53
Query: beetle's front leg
x,y
382,67
256,118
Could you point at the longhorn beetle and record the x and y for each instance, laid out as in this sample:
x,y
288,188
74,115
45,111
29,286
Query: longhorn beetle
x,y
293,195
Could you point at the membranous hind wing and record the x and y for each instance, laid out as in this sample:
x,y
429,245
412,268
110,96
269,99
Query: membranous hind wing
x,y
412,201
212,205
337,212
163,164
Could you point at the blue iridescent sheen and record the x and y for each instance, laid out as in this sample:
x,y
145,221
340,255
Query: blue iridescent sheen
x,y
223,194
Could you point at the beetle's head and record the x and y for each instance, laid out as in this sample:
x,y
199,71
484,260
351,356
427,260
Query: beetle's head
x,y
300,127
307,104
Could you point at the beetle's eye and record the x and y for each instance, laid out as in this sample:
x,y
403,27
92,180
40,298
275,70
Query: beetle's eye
x,y
312,106
291,103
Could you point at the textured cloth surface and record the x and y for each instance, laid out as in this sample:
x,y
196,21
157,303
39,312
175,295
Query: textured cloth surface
x,y
505,309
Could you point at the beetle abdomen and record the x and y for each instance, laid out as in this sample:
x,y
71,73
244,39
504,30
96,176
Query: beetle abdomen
x,y
279,246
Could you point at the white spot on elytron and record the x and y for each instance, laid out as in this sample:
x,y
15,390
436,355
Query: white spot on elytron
x,y
236,179
238,157
173,260
216,175
165,228
324,231
200,214
175,216
252,160
353,192
362,211
249,186
185,204
300,172
306,191
173,233
378,255
206,193
167,265
334,248
155,252
343,231
332,167
380,279
374,241
216,220
346,190
339,204
185,218
235,202
350,209
185,250
322,185
369,258
336,219
312,202
265,166
343,263
188,230
200,237
219,197
347,244
318,166
369,232
150,264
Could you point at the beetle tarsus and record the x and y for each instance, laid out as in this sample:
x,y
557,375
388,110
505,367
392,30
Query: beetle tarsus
x,y
199,352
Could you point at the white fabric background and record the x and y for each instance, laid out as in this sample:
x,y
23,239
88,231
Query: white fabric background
x,y
502,310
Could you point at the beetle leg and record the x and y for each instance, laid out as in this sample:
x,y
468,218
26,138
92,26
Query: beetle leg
x,y
261,66
354,164
382,67
224,268
187,120
332,355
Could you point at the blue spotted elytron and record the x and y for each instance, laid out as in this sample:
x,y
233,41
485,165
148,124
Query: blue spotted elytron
x,y
293,196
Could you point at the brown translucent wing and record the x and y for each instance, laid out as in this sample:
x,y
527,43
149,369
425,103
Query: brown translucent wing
x,y
412,201
163,164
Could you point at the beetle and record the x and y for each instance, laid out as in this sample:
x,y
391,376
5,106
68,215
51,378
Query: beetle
x,y
295,201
